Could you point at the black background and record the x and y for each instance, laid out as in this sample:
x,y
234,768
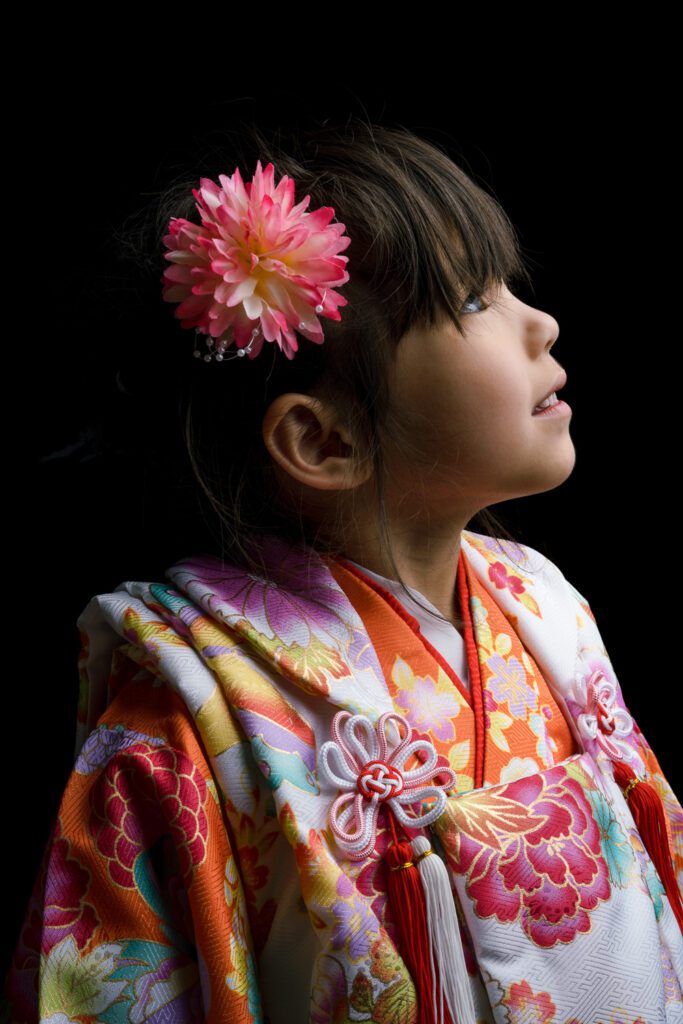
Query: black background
x,y
586,179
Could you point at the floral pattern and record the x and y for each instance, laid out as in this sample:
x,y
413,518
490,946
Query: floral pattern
x,y
191,862
614,841
372,880
508,684
526,1006
141,794
426,705
531,850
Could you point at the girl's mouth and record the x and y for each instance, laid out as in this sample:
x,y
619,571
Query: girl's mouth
x,y
552,406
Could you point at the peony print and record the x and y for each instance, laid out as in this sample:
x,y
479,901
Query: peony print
x,y
64,885
143,793
531,851
528,1007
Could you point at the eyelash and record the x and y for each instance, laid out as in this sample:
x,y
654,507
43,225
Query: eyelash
x,y
473,295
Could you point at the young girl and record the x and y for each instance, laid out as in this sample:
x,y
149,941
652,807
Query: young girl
x,y
359,762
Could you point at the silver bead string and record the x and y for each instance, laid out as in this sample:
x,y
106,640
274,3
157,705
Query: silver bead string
x,y
217,350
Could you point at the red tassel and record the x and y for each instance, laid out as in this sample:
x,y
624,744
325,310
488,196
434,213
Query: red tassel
x,y
649,816
409,912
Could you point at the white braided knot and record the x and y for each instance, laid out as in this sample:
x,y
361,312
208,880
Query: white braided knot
x,y
369,771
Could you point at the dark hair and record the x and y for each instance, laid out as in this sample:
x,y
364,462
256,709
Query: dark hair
x,y
424,237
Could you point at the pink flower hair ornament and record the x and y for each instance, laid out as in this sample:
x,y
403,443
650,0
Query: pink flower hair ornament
x,y
257,268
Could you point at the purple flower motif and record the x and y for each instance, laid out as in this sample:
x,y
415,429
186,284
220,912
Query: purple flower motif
x,y
299,599
355,921
105,741
508,683
493,544
429,709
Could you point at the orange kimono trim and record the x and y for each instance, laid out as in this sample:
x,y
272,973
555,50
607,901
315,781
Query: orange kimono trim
x,y
507,725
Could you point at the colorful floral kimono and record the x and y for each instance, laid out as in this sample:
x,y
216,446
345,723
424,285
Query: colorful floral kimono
x,y
191,873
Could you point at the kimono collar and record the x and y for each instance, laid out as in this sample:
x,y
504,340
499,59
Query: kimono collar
x,y
529,588
299,621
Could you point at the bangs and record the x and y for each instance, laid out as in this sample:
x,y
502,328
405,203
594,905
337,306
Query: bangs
x,y
464,242
424,235
484,249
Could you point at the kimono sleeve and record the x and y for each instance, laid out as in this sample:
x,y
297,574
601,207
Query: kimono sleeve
x,y
590,641
138,911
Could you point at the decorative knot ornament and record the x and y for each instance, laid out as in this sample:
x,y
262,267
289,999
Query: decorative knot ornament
x,y
380,779
367,765
366,762
602,721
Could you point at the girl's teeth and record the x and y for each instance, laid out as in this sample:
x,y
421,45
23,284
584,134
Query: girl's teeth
x,y
550,400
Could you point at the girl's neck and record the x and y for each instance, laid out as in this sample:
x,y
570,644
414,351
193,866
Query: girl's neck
x,y
393,585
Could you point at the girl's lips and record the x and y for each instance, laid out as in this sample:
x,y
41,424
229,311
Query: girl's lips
x,y
559,383
560,408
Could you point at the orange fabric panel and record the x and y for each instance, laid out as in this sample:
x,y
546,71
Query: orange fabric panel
x,y
509,709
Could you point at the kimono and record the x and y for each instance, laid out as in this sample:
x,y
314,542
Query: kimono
x,y
191,873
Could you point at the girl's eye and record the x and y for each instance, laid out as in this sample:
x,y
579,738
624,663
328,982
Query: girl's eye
x,y
476,298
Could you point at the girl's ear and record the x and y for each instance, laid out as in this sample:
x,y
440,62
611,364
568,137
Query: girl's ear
x,y
307,439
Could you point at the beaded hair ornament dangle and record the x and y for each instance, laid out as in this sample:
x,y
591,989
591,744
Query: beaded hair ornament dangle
x,y
257,268
217,351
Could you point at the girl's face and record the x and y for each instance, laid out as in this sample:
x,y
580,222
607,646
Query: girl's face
x,y
467,402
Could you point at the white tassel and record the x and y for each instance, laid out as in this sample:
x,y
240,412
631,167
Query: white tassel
x,y
444,937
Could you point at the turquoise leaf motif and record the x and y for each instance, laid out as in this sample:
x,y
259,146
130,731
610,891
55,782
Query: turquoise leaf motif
x,y
616,847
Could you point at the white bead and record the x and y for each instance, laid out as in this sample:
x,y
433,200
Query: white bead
x,y
319,308
219,357
240,352
196,353
207,358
